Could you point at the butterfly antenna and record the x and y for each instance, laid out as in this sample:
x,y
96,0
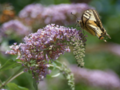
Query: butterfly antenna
x,y
77,23
76,18
73,15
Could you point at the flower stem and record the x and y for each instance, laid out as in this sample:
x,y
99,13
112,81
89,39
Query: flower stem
x,y
18,73
50,65
66,73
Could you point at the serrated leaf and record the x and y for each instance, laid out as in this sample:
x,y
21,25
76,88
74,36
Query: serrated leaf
x,y
8,65
13,86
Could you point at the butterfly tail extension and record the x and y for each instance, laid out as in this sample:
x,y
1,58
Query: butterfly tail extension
x,y
108,36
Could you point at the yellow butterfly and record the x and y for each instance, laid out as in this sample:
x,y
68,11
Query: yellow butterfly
x,y
90,21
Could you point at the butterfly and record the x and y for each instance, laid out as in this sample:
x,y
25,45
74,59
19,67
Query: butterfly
x,y
7,15
91,22
6,12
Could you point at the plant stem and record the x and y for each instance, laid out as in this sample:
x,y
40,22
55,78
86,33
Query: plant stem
x,y
50,65
18,73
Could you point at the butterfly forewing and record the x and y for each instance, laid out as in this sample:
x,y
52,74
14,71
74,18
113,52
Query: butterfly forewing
x,y
99,23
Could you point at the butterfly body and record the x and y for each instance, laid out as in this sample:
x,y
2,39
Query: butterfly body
x,y
90,22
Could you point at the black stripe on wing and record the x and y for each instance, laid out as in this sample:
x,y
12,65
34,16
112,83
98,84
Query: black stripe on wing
x,y
98,22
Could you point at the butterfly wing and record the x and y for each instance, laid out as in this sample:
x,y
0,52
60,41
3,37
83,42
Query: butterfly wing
x,y
91,22
94,23
87,16
99,24
96,16
97,30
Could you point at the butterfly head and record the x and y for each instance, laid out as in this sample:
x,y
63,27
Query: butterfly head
x,y
79,22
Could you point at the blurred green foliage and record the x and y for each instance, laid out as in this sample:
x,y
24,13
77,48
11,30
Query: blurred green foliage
x,y
109,11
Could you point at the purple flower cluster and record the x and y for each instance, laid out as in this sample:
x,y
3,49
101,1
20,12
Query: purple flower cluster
x,y
15,27
32,11
104,79
61,14
45,45
36,14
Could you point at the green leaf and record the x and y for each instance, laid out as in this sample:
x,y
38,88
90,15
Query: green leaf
x,y
13,86
35,84
8,65
54,65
